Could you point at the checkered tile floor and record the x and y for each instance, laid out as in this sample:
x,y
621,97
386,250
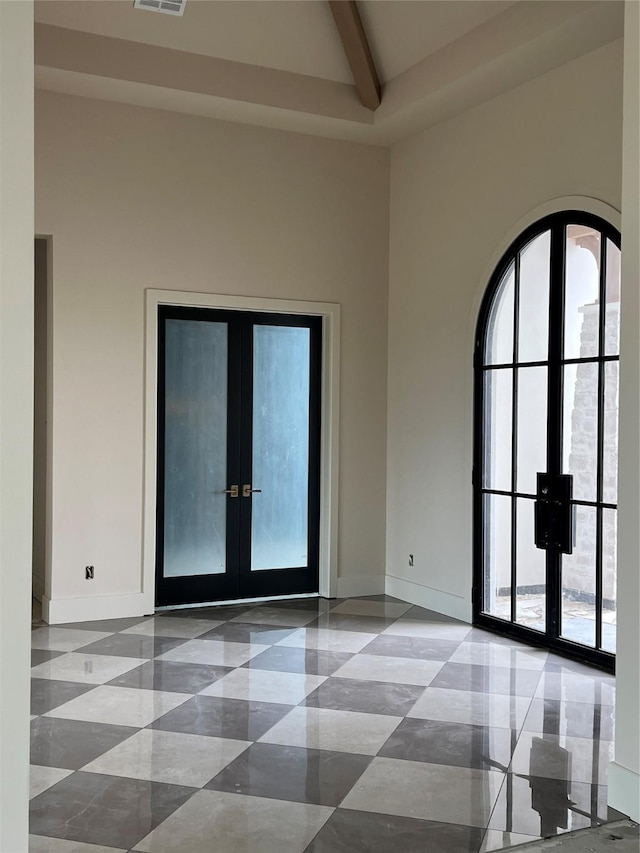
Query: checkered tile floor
x,y
357,726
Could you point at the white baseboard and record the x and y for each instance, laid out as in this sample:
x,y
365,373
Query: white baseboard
x,y
37,588
57,611
431,599
352,587
624,790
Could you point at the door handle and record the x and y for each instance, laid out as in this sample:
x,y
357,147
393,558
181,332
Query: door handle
x,y
232,491
247,491
554,513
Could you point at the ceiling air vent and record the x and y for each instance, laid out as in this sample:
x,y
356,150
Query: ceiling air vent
x,y
169,7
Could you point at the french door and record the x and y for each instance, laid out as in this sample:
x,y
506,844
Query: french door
x,y
546,439
238,455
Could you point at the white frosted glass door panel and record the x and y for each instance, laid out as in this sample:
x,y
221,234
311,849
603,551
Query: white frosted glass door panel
x,y
280,450
195,463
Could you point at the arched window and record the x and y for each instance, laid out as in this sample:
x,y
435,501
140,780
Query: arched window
x,y
546,439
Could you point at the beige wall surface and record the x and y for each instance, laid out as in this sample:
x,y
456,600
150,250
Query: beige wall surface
x,y
138,198
457,191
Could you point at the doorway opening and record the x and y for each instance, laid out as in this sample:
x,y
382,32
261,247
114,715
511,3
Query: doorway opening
x,y
546,439
40,405
238,486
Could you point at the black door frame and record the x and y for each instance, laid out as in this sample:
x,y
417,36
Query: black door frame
x,y
238,581
551,638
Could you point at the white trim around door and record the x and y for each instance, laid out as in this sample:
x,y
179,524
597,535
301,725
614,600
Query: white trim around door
x,y
329,456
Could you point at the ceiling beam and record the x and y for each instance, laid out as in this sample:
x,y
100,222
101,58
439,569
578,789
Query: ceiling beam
x,y
356,47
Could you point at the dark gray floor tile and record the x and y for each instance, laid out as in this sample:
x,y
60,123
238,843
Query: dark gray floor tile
x,y
47,694
71,744
311,661
349,622
349,831
106,810
319,605
487,679
245,632
423,615
105,624
43,655
373,697
454,744
292,773
574,719
411,647
217,717
171,676
381,597
132,646
545,807
219,613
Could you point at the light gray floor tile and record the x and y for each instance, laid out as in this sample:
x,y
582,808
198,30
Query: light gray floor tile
x,y
398,670
41,778
574,687
562,758
454,631
64,639
495,840
175,758
168,626
342,731
214,653
474,708
121,706
426,791
239,824
575,719
494,654
262,686
328,640
85,669
540,806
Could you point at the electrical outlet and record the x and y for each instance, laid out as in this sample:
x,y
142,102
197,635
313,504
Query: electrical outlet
x,y
88,572
410,559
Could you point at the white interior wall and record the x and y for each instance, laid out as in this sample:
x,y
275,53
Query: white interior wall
x,y
457,191
16,414
137,198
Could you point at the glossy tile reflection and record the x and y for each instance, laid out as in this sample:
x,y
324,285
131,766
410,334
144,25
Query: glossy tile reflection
x,y
309,726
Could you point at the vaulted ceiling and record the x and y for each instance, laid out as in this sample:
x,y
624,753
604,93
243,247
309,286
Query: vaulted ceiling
x,y
281,63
